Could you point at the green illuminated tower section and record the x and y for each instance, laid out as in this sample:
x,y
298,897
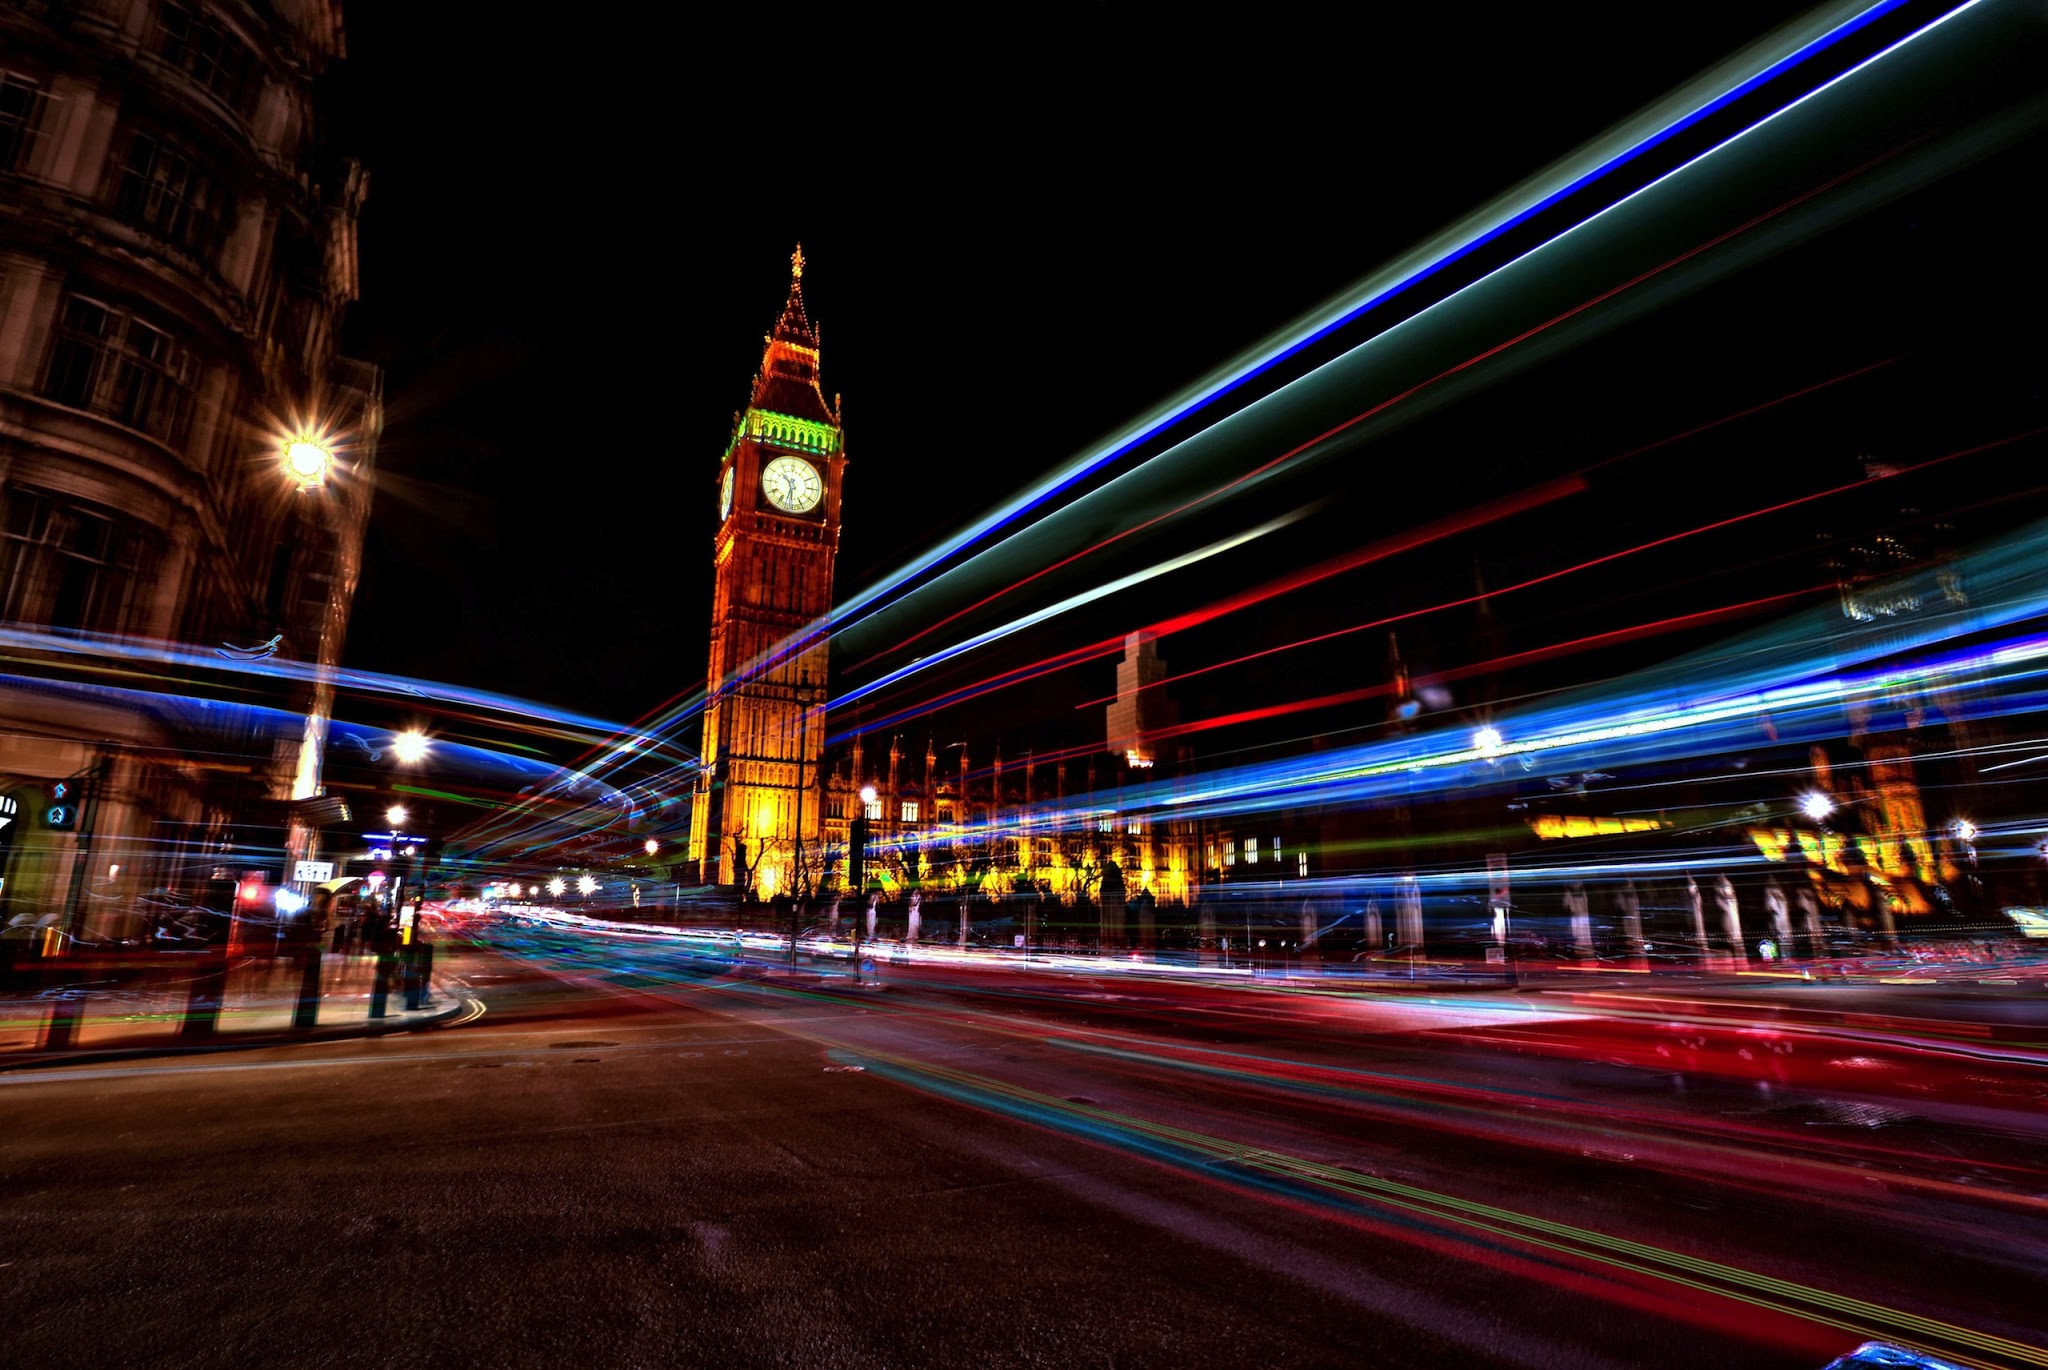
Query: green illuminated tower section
x,y
757,806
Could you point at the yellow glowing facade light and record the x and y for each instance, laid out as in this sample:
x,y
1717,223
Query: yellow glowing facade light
x,y
1550,826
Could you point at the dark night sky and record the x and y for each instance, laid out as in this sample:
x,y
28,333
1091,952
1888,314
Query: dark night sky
x,y
578,232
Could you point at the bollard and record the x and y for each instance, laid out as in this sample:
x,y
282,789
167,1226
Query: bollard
x,y
412,978
426,955
308,1012
380,986
202,1003
67,1011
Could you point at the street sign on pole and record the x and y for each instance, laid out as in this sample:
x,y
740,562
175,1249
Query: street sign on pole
x,y
313,872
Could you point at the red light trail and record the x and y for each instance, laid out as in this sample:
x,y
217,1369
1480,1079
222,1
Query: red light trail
x,y
1392,400
1602,560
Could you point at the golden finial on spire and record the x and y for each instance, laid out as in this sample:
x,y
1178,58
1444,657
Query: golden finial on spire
x,y
796,263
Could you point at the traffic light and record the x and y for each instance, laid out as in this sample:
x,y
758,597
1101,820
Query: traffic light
x,y
857,853
66,797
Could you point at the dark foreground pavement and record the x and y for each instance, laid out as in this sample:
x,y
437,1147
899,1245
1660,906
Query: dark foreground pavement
x,y
630,1162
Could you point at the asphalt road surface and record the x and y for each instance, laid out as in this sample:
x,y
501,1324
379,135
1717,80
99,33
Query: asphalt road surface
x,y
637,1160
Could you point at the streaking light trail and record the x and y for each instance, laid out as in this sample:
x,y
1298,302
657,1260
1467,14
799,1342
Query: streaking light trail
x,y
1655,127
1602,560
1388,337
1051,611
1688,107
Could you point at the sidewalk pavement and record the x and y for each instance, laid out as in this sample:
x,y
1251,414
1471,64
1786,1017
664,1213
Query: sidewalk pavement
x,y
258,1004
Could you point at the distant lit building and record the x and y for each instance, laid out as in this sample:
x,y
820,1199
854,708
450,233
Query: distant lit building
x,y
997,831
176,251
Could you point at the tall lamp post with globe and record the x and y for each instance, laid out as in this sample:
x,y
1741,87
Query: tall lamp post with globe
x,y
336,510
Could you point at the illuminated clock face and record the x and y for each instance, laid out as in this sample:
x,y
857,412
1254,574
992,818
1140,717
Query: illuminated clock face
x,y
725,494
792,485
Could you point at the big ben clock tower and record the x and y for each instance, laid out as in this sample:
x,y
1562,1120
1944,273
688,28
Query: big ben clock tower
x,y
757,802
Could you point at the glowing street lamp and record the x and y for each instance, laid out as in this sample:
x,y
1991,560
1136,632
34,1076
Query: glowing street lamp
x,y
1965,830
513,889
586,886
1488,741
308,460
410,746
1817,806
652,846
396,816
556,887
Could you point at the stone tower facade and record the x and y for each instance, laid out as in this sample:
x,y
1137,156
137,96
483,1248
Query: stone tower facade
x,y
756,815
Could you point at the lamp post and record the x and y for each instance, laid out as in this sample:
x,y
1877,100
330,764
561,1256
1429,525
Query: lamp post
x,y
799,882
857,866
308,460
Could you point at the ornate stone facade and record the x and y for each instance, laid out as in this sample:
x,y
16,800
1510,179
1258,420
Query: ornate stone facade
x,y
177,247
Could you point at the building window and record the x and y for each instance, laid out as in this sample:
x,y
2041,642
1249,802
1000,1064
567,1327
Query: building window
x,y
1301,864
67,565
165,192
945,812
910,810
874,808
1230,851
109,361
203,48
1251,851
1276,852
22,106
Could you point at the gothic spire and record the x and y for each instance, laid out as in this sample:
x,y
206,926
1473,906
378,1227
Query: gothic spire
x,y
795,324
787,382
